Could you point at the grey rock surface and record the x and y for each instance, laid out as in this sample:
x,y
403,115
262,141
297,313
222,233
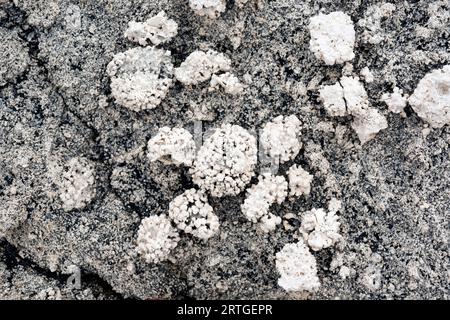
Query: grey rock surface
x,y
56,104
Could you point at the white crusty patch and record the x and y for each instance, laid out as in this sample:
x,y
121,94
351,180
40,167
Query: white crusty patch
x,y
297,268
199,66
226,161
396,101
332,37
368,123
332,97
367,75
156,238
209,8
299,181
280,138
172,146
192,213
431,99
229,82
320,229
155,30
269,190
140,77
348,97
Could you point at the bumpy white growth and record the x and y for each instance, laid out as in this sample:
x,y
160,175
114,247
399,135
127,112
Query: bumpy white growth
x,y
348,96
320,229
156,238
368,124
140,77
210,8
226,161
172,146
431,99
269,190
156,30
269,222
199,66
333,100
332,37
299,181
280,138
395,101
297,268
192,213
77,186
367,75
355,95
229,82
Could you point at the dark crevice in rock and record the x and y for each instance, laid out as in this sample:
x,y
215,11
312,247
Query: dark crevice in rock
x,y
9,254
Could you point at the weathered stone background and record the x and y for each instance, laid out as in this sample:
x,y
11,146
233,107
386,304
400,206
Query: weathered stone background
x,y
55,104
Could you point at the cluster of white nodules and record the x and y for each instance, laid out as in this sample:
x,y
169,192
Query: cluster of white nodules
x,y
172,146
348,97
280,138
155,30
297,268
332,37
431,99
367,75
320,229
199,66
229,82
192,213
156,238
140,77
226,161
269,190
396,101
299,181
209,8
77,186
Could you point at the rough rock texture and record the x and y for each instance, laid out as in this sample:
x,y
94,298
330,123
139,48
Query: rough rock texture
x,y
56,104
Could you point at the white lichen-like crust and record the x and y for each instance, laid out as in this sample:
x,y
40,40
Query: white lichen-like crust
x,y
140,77
431,99
172,146
269,190
297,268
348,97
155,30
199,66
192,213
332,37
229,82
77,185
368,124
355,96
280,138
320,229
332,97
156,238
395,101
367,75
226,161
299,181
210,8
